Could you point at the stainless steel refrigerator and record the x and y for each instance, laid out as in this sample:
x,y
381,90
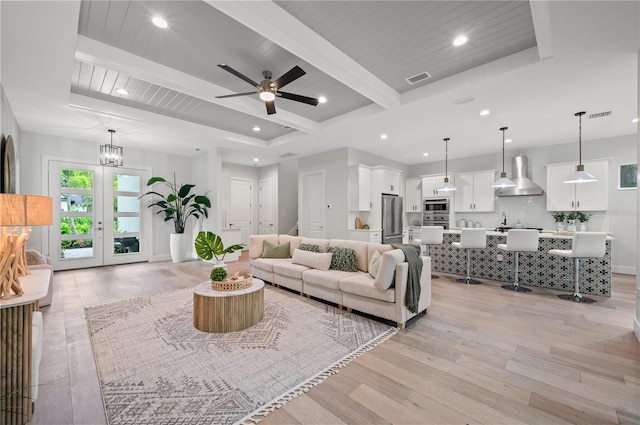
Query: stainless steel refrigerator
x,y
391,219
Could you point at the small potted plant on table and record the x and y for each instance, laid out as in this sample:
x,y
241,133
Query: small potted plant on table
x,y
208,246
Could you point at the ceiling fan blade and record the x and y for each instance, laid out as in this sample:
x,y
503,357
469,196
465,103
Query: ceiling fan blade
x,y
237,74
271,107
291,75
298,98
235,95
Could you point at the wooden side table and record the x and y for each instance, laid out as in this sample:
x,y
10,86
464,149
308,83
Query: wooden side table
x,y
15,353
227,311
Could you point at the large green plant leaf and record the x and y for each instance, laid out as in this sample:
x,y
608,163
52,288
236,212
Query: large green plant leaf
x,y
209,245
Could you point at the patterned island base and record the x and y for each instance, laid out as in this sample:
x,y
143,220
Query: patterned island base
x,y
536,268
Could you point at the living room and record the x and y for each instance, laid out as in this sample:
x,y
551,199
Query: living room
x,y
75,124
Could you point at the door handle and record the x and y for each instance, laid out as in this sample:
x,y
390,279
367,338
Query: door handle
x,y
99,228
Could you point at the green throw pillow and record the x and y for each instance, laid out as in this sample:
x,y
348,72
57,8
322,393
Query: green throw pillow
x,y
374,264
271,250
343,259
309,247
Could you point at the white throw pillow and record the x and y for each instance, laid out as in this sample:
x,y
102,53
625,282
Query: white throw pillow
x,y
374,264
315,260
387,270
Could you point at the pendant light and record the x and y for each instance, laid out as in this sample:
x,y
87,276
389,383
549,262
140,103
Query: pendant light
x,y
111,155
503,181
446,186
580,176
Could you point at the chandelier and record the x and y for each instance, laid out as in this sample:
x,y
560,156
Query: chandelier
x,y
111,155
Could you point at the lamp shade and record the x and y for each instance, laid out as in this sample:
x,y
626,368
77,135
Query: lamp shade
x,y
446,186
12,210
503,181
25,210
580,176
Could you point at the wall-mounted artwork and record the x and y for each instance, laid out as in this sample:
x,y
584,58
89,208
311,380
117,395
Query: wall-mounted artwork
x,y
8,166
628,176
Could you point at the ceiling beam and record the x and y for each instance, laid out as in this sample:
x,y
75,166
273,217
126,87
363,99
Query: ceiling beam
x,y
274,23
96,53
541,16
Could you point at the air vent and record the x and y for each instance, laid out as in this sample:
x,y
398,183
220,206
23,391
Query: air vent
x,y
286,127
420,77
287,155
464,100
599,115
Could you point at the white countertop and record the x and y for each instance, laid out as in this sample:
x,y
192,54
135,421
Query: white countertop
x,y
550,234
365,230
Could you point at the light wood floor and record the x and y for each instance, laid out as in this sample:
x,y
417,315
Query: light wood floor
x,y
480,355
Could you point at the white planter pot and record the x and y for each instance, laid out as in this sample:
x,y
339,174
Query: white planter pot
x,y
583,227
177,246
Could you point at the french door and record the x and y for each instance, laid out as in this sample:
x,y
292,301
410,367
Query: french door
x,y
98,218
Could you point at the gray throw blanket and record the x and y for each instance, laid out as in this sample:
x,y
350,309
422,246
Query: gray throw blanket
x,y
412,255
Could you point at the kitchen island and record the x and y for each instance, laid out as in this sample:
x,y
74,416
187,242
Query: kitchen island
x,y
536,268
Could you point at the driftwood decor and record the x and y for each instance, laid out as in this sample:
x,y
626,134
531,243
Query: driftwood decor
x,y
13,261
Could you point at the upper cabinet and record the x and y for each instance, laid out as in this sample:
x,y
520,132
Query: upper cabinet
x,y
413,195
592,196
391,180
360,188
430,187
474,192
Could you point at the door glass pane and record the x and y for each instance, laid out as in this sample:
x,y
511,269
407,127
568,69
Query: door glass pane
x,y
76,225
124,183
126,245
126,225
76,202
77,179
80,248
126,204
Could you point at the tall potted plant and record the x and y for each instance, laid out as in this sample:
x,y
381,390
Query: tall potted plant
x,y
177,206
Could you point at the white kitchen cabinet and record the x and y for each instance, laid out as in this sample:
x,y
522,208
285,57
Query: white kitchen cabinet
x,y
593,196
430,185
368,235
359,188
413,195
391,180
474,192
405,235
415,232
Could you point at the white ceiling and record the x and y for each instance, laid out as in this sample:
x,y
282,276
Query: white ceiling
x,y
533,65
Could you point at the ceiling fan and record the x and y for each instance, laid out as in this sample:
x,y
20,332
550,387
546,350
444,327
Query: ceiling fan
x,y
268,90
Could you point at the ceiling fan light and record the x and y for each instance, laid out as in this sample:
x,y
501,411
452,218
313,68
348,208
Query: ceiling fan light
x,y
267,96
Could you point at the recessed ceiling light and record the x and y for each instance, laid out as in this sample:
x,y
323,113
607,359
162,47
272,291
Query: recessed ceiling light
x,y
122,92
255,160
159,22
256,128
322,99
635,120
508,141
384,137
484,113
425,154
460,40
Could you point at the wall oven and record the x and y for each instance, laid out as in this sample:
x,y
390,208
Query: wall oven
x,y
435,212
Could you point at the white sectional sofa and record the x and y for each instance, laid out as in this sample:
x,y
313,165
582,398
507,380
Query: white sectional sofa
x,y
354,290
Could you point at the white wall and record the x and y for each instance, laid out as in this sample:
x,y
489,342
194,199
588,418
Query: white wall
x,y
620,219
34,146
9,127
287,200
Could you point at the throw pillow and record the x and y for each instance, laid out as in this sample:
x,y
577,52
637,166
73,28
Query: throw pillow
x,y
272,250
309,247
387,271
315,260
374,264
343,259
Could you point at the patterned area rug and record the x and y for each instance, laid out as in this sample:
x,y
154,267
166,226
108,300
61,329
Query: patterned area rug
x,y
156,368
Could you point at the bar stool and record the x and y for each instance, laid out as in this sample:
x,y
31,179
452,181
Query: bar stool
x,y
584,245
470,239
431,235
519,240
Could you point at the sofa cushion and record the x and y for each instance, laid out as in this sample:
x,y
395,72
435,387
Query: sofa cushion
x,y
294,242
272,250
362,285
387,271
256,244
359,247
322,243
373,247
309,247
267,264
290,269
374,264
343,259
314,260
328,279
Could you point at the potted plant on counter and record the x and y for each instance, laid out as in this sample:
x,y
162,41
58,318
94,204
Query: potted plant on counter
x,y
559,217
583,220
209,245
177,206
571,219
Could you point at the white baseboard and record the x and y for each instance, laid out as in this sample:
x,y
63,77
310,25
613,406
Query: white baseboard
x,y
155,258
636,328
623,269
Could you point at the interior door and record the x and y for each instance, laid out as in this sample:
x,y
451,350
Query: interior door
x,y
267,207
240,211
98,220
312,223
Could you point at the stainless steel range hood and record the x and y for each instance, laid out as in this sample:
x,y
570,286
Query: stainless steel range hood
x,y
520,176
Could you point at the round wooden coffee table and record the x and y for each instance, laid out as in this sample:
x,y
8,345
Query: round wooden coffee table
x,y
227,311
